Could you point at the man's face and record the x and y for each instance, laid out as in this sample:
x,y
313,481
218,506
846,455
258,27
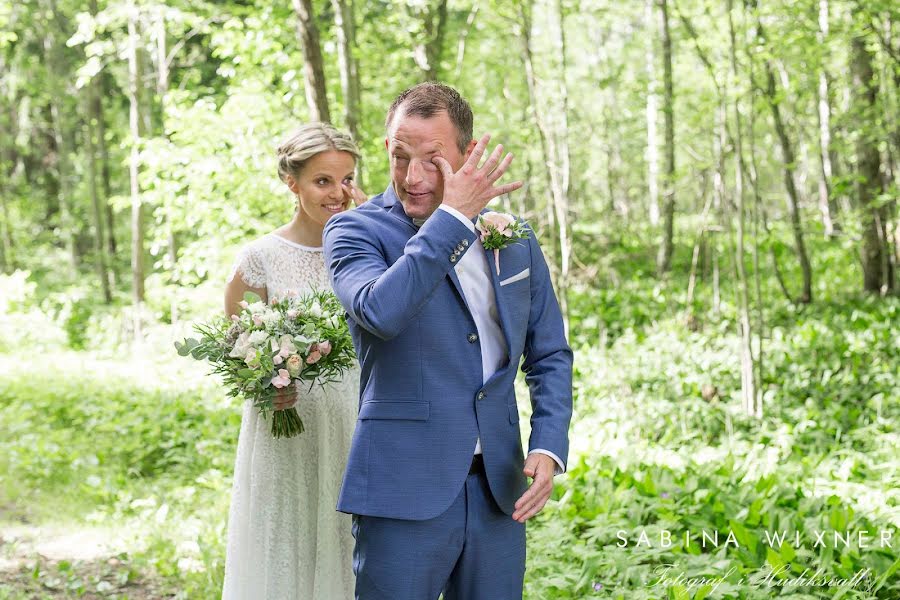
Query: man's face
x,y
412,143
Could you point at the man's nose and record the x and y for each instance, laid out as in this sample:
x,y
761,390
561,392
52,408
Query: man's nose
x,y
414,172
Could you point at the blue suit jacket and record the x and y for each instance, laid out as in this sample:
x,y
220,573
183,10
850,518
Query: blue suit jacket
x,y
422,400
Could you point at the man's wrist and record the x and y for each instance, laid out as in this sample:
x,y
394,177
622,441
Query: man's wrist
x,y
456,213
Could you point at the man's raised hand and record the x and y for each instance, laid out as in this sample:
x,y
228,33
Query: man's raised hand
x,y
471,188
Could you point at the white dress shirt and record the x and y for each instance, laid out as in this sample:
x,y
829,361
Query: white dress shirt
x,y
478,291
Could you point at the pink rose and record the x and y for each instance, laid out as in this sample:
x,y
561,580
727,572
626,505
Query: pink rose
x,y
277,360
325,348
235,318
293,313
257,320
314,357
283,379
244,304
502,222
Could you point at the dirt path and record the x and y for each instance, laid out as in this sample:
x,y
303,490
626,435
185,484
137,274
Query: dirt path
x,y
55,562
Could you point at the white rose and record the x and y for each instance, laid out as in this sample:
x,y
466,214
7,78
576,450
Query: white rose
x,y
258,337
241,346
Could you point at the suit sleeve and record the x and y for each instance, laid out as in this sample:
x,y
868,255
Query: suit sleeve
x,y
382,297
547,364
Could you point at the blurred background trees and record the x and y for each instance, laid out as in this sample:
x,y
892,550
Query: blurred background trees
x,y
138,135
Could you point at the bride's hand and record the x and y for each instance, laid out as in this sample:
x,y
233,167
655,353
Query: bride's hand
x,y
352,192
285,397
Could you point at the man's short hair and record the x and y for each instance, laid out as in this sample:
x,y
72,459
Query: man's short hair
x,y
427,99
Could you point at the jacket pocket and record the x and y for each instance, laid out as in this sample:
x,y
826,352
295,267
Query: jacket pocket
x,y
517,277
409,410
513,412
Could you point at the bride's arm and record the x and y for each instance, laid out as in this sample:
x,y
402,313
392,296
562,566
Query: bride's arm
x,y
234,293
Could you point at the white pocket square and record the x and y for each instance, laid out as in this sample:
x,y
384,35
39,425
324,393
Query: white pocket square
x,y
516,277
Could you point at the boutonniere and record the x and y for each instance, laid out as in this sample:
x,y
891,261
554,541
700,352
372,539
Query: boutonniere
x,y
499,230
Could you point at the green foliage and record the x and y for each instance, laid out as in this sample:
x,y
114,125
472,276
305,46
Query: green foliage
x,y
654,454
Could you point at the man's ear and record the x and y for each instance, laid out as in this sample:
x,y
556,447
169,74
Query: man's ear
x,y
470,147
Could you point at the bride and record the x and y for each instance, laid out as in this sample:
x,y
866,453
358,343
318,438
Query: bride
x,y
285,538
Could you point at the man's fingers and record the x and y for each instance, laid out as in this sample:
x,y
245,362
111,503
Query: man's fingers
x,y
491,163
478,152
537,487
533,510
501,168
526,511
505,189
444,166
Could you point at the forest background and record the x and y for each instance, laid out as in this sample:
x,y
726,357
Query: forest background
x,y
715,185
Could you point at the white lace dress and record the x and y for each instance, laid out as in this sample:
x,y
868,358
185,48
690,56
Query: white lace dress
x,y
286,541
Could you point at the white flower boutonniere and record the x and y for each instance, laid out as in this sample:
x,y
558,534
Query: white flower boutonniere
x,y
499,230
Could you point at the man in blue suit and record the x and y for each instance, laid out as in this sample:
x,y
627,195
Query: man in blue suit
x,y
436,477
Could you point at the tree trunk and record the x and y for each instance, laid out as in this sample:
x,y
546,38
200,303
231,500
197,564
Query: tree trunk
x,y
162,93
826,204
100,259
463,34
6,246
428,52
564,162
789,159
308,34
548,144
651,112
345,23
134,120
664,258
750,385
878,273
61,138
100,90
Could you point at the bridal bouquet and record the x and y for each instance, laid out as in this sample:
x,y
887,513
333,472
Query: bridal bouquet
x,y
266,347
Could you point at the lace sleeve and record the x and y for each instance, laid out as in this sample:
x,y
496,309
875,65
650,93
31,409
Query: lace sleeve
x,y
250,266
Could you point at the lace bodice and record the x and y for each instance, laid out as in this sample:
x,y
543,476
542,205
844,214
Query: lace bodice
x,y
281,265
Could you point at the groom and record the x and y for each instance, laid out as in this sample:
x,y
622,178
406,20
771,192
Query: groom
x,y
436,477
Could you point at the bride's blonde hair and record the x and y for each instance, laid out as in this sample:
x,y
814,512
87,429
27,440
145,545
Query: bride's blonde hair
x,y
308,140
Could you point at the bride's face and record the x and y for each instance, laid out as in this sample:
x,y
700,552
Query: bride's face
x,y
318,185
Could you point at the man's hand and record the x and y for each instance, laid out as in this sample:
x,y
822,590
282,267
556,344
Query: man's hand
x,y
285,397
471,188
352,192
541,468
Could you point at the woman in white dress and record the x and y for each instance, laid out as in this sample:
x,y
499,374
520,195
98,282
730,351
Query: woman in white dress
x,y
286,541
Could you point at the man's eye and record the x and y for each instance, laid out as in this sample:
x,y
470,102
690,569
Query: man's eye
x,y
348,180
401,159
429,166
321,181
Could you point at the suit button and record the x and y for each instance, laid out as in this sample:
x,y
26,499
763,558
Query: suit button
x,y
452,258
472,337
465,243
481,395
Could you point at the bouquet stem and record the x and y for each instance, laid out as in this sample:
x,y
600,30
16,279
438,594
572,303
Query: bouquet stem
x,y
286,423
